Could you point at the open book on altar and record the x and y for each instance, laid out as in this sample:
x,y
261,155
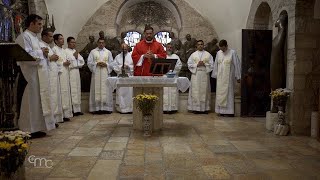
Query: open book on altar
x,y
161,66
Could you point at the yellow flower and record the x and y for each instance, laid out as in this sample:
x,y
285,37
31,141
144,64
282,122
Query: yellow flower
x,y
25,146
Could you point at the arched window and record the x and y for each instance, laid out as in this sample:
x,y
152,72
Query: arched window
x,y
132,38
163,37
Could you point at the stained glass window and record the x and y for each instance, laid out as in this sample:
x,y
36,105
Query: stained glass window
x,y
163,37
12,14
132,38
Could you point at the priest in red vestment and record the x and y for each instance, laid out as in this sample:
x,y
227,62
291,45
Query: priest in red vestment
x,y
145,51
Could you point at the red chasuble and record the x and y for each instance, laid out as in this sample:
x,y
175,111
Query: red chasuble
x,y
140,49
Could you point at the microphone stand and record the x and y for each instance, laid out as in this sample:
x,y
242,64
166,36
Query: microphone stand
x,y
123,71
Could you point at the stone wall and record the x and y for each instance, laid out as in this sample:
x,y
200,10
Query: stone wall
x,y
307,43
38,7
105,19
302,44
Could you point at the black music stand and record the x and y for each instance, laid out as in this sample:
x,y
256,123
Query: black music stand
x,y
161,66
11,91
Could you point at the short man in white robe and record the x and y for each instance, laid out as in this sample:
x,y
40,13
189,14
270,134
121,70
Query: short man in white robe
x,y
36,113
64,77
77,62
124,102
171,94
99,63
200,63
54,70
227,69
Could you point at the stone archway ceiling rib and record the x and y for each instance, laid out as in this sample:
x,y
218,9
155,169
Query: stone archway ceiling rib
x,y
168,4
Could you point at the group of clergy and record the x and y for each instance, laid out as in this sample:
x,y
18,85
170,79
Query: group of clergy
x,y
226,69
53,92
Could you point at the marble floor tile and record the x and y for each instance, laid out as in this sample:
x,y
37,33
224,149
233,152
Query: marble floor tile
x,y
74,167
248,146
188,147
118,139
113,154
105,169
84,151
115,146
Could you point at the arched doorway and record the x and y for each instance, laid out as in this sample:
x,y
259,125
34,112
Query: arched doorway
x,y
256,55
263,17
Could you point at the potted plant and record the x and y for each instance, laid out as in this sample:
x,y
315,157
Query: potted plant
x,y
13,151
279,97
146,104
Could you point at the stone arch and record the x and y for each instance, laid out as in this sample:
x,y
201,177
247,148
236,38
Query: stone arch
x,y
166,4
110,14
263,17
38,7
135,15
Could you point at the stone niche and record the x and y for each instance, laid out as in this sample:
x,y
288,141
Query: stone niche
x,y
303,42
116,16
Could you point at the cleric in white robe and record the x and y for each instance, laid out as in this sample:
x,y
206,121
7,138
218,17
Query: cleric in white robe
x,y
227,69
35,113
64,76
171,94
124,102
54,70
77,62
200,63
99,63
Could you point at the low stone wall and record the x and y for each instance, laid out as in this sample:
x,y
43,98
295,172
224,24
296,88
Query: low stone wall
x,y
183,102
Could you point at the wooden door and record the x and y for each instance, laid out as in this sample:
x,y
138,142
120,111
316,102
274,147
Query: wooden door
x,y
255,84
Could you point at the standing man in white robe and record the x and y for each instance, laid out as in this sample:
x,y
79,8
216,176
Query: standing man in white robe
x,y
227,69
171,94
77,62
124,102
54,70
200,63
36,113
64,77
99,63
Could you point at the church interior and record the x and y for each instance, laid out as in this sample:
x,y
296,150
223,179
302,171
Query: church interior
x,y
277,42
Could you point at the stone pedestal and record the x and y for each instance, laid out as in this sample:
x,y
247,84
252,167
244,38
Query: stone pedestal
x,y
271,119
149,85
157,115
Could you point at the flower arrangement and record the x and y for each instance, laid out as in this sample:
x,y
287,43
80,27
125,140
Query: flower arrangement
x,y
146,102
13,150
279,97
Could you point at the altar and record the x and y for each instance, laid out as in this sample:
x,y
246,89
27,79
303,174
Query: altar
x,y
149,85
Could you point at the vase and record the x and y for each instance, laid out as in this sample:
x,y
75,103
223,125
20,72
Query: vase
x,y
18,175
147,124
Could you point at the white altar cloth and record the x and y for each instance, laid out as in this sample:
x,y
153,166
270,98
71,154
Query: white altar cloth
x,y
182,83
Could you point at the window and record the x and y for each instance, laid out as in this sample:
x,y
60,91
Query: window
x,y
132,38
163,37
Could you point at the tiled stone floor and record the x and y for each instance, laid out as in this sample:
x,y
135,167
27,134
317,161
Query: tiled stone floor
x,y
189,147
